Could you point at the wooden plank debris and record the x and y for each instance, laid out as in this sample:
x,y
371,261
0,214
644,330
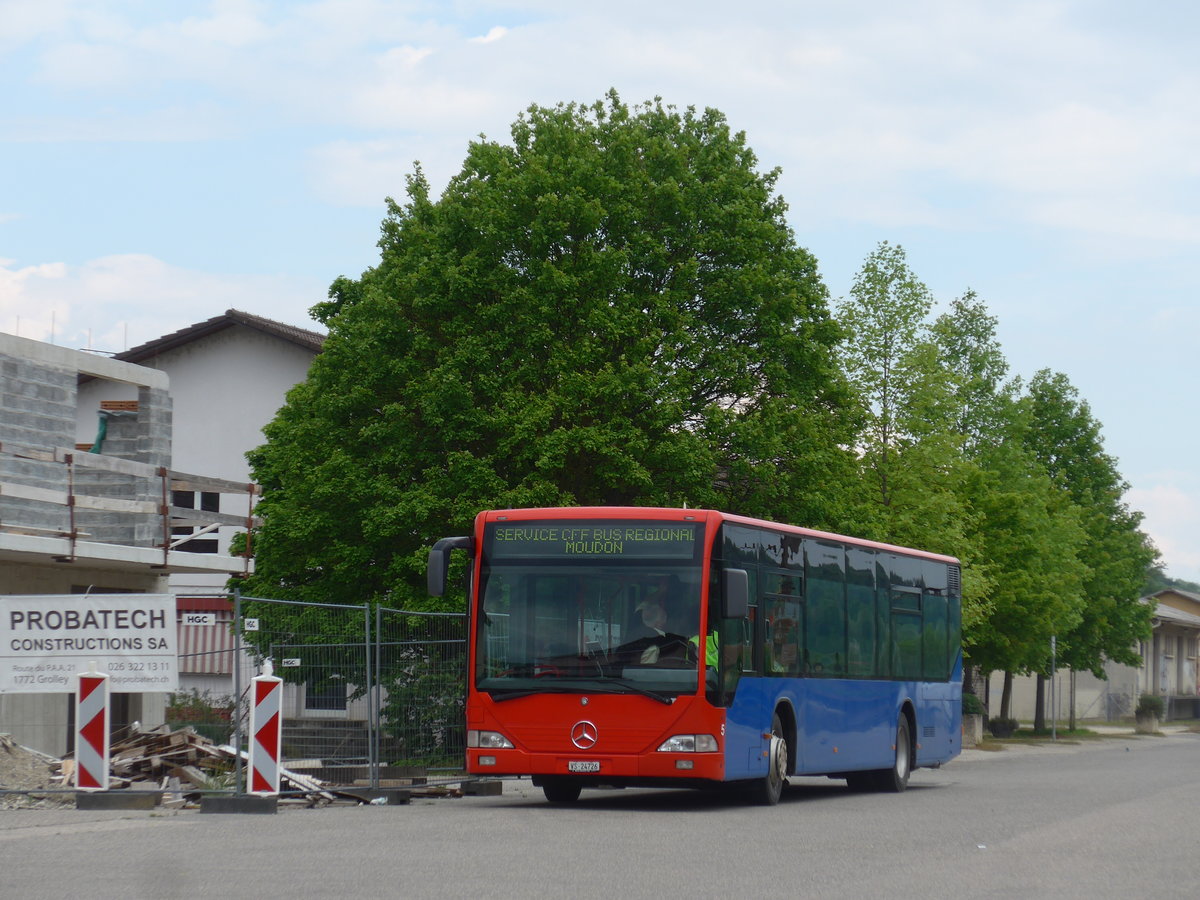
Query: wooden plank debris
x,y
187,762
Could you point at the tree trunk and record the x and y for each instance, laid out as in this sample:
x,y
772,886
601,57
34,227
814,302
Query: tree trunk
x,y
1006,697
1039,708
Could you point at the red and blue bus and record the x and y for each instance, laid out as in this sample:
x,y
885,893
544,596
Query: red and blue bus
x,y
620,646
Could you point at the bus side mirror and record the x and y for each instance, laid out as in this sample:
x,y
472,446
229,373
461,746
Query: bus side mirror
x,y
439,562
735,594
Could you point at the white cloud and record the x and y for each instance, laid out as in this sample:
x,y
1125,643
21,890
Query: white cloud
x,y
201,121
1171,504
401,61
26,21
236,23
116,302
493,34
362,173
983,129
94,67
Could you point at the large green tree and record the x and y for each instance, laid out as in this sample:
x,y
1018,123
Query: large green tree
x,y
610,309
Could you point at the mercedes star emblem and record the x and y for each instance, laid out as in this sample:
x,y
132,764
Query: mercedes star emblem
x,y
584,735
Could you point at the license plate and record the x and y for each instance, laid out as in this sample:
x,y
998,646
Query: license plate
x,y
577,765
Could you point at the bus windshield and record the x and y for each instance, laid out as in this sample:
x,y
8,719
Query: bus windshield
x,y
599,625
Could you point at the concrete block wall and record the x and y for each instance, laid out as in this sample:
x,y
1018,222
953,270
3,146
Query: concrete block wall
x,y
37,409
143,436
38,401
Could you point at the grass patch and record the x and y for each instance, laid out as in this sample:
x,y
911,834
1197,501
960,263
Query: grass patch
x,y
989,744
1046,736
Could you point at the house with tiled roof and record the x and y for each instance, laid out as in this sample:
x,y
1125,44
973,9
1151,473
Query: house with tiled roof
x,y
229,376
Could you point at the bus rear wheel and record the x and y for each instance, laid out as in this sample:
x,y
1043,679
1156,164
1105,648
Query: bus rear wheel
x,y
895,779
561,790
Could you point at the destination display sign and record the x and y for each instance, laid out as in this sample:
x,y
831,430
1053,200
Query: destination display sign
x,y
592,539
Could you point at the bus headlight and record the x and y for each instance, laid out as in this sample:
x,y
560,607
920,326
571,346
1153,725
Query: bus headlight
x,y
488,740
689,743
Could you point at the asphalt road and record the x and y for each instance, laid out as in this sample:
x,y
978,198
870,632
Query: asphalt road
x,y
1113,818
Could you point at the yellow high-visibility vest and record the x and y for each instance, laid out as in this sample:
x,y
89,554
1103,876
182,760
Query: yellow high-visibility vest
x,y
712,653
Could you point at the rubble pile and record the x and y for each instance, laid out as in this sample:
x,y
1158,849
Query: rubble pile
x,y
22,769
157,758
182,764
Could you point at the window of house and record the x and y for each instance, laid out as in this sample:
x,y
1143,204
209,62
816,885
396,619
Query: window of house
x,y
210,501
328,693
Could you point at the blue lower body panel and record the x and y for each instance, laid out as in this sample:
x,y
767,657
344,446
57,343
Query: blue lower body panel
x,y
840,725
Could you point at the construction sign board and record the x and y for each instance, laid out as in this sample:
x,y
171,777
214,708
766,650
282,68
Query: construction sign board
x,y
48,639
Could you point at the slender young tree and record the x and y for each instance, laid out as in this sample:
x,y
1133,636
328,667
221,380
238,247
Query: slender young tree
x,y
909,450
1066,439
982,395
1024,535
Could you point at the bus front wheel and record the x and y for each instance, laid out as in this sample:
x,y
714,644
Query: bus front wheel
x,y
768,790
561,790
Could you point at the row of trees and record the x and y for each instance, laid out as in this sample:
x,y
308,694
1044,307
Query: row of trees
x,y
612,309
1011,476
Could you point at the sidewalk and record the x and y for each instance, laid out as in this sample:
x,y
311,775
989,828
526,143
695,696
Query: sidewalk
x,y
1071,742
1164,728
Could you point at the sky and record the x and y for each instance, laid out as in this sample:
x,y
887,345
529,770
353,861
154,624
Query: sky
x,y
163,162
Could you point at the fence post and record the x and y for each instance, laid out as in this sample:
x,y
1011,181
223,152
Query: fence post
x,y
238,781
376,707
372,755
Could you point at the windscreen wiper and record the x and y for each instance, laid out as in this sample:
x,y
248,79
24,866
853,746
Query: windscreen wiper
x,y
548,689
512,695
637,689
606,688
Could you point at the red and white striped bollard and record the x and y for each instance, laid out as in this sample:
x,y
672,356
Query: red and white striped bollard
x,y
91,731
266,730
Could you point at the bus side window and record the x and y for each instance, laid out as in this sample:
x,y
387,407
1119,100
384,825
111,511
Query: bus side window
x,y
861,641
825,596
783,626
906,632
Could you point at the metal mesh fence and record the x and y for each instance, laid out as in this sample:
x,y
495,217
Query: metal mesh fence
x,y
323,654
420,673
